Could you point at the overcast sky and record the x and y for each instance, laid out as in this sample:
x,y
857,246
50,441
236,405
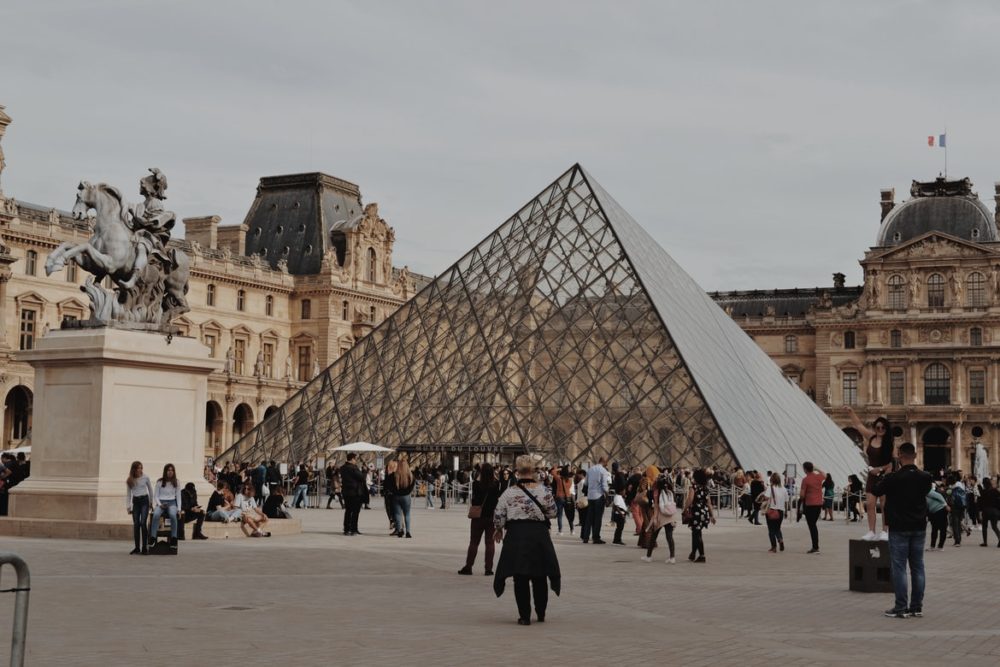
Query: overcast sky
x,y
750,138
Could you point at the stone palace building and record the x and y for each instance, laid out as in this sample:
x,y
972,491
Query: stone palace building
x,y
919,342
280,296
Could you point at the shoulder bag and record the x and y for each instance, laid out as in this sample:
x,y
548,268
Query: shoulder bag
x,y
581,498
773,513
476,511
548,522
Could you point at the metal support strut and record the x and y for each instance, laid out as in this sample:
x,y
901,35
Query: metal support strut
x,y
22,589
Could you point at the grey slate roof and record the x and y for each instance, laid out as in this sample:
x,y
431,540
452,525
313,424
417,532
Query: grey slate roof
x,y
794,302
944,206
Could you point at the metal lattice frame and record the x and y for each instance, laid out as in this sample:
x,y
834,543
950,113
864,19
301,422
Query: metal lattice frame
x,y
542,335
568,331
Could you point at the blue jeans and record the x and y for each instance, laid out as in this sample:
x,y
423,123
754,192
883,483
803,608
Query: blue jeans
x,y
402,513
301,491
171,510
140,512
559,511
907,546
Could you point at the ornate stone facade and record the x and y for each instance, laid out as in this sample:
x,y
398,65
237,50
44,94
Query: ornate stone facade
x,y
916,342
274,329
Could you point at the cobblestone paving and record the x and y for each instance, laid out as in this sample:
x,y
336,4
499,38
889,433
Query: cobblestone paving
x,y
324,597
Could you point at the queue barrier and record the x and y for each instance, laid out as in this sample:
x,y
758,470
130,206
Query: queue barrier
x,y
21,590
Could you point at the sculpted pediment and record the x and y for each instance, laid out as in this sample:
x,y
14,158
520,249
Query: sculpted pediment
x,y
936,245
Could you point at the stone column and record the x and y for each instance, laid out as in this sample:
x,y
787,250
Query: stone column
x,y
6,259
915,382
956,456
877,370
957,375
920,449
996,447
994,397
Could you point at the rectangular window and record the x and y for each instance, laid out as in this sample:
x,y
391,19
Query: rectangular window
x,y
895,338
30,264
210,343
239,355
897,387
976,337
27,341
305,362
268,360
977,387
372,314
306,309
71,272
850,388
345,311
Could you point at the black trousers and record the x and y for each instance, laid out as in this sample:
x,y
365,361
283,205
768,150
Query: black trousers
x,y
523,588
957,514
619,519
198,518
812,517
697,544
939,528
351,512
990,518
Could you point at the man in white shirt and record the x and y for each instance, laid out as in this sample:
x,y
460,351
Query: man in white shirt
x,y
598,482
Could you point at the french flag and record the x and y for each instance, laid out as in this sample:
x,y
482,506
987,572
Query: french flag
x,y
941,139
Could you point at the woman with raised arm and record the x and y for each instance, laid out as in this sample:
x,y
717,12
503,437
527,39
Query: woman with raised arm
x,y
879,453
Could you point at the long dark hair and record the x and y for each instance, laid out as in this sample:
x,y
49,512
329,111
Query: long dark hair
x,y
163,480
132,477
887,443
700,477
486,475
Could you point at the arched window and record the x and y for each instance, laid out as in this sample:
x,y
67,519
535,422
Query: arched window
x,y
30,263
897,293
372,314
848,340
372,259
895,338
791,344
241,300
345,310
306,309
976,337
935,291
210,295
937,385
976,290
269,305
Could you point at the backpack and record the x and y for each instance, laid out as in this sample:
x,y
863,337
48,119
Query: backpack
x,y
958,497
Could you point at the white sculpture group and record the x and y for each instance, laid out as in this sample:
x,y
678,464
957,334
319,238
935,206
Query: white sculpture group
x,y
129,245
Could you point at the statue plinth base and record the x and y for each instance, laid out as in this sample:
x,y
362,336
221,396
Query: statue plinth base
x,y
103,399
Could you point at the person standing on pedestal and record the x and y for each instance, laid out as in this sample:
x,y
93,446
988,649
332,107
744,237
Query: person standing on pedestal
x,y
139,492
906,491
353,482
879,455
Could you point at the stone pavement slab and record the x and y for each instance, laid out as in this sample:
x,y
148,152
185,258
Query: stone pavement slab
x,y
322,596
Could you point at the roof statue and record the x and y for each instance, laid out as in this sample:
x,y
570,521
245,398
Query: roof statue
x,y
129,246
571,333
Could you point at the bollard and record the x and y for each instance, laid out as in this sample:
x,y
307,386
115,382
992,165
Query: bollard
x,y
20,607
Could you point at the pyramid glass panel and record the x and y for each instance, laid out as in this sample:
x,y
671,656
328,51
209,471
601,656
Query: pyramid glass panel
x,y
568,332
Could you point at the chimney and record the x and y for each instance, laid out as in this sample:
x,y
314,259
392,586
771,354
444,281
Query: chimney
x,y
996,200
204,230
888,201
838,281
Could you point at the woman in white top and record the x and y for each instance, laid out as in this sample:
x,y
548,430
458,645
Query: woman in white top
x,y
776,498
167,498
138,491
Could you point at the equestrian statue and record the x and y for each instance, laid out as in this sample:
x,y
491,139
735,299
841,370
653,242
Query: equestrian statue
x,y
149,281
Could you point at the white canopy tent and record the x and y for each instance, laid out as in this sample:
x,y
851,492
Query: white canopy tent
x,y
20,450
362,447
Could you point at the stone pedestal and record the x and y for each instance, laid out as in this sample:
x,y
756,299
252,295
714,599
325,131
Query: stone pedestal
x,y
105,398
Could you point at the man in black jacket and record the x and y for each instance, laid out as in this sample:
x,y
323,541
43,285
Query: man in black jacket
x,y
905,508
352,484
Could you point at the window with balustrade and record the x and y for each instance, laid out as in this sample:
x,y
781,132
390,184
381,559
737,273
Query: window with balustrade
x,y
935,291
937,385
897,293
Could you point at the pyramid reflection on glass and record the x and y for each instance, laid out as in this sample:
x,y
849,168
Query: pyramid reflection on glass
x,y
571,332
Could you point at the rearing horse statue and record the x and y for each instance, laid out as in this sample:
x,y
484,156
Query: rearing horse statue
x,y
151,289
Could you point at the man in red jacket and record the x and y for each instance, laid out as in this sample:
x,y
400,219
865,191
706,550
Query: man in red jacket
x,y
811,497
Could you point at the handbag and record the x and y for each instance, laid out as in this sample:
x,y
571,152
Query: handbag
x,y
772,513
475,511
687,516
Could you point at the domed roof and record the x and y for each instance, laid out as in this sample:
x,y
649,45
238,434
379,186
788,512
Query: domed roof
x,y
944,206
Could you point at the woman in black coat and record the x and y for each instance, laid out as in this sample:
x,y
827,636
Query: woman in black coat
x,y
485,494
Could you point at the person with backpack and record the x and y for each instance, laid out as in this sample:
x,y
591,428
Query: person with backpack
x,y
937,514
956,500
663,515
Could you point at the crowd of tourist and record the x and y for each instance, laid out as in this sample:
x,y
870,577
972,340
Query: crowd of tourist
x,y
14,469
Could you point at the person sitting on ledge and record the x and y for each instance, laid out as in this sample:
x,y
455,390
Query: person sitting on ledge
x,y
274,505
166,498
252,517
222,505
192,510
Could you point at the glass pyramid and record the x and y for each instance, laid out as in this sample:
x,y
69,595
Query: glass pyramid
x,y
571,333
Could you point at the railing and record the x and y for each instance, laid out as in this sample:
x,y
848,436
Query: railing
x,y
21,591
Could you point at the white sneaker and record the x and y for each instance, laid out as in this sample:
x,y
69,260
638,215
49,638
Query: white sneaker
x,y
671,560
869,536
646,559
883,536
559,533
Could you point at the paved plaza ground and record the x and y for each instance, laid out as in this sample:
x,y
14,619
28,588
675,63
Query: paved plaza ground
x,y
323,598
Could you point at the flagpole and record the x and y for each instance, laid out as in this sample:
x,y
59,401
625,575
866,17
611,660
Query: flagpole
x,y
946,152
